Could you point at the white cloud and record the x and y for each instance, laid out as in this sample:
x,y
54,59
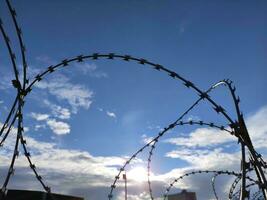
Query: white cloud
x,y
196,150
39,126
91,70
141,196
58,127
193,118
257,127
39,116
111,114
154,127
101,109
58,111
206,159
203,137
76,95
73,168
1,101
86,67
70,168
5,81
146,139
45,59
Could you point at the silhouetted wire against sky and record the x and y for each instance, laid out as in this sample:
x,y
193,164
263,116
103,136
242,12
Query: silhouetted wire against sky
x,y
85,120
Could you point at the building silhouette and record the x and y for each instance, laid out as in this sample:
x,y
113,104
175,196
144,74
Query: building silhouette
x,y
36,195
183,195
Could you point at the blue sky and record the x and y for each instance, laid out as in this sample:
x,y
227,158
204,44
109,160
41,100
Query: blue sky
x,y
102,111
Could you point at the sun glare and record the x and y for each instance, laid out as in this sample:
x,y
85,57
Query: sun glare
x,y
137,174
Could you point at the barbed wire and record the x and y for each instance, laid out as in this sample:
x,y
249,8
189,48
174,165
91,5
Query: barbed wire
x,y
213,185
149,160
21,43
257,195
111,56
11,169
10,52
51,69
226,172
214,188
233,186
181,123
237,193
23,89
6,124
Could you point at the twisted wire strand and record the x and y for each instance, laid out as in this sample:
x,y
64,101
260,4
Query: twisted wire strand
x,y
181,123
11,169
21,43
255,158
230,173
256,195
111,56
51,69
233,186
33,167
155,140
237,193
26,153
80,58
25,90
9,128
6,124
149,160
141,61
12,55
213,179
16,83
236,100
189,84
19,116
214,188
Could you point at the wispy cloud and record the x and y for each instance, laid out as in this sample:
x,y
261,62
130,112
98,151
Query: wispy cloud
x,y
76,95
5,81
45,59
257,127
58,111
145,139
91,69
58,127
70,168
202,137
39,116
111,114
100,109
108,113
206,159
39,126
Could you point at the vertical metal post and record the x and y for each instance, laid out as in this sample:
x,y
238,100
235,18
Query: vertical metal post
x,y
255,162
243,193
125,185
